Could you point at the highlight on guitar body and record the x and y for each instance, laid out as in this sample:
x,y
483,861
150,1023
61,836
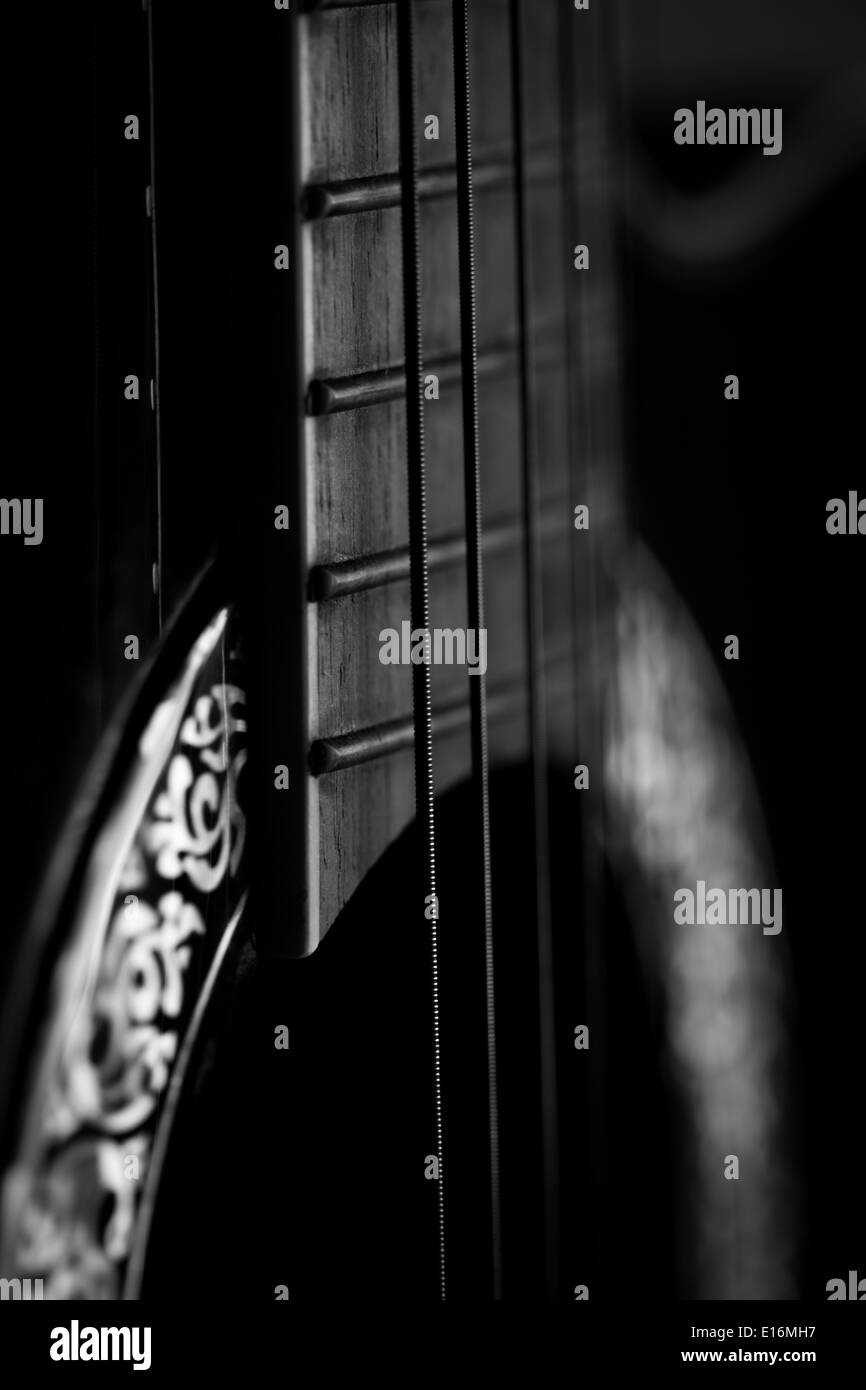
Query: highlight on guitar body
x,y
426,897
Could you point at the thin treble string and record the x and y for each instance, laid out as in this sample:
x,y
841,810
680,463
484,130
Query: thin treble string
x,y
155,291
535,664
475,579
422,706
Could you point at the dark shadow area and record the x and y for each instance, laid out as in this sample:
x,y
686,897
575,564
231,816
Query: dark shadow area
x,y
306,1167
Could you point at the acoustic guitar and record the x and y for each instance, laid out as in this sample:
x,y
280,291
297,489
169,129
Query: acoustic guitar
x,y
353,970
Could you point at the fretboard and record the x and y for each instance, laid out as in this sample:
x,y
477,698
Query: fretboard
x,y
352,500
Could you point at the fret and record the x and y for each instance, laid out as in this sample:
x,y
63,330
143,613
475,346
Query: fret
x,y
390,566
504,701
372,571
393,736
328,395
491,169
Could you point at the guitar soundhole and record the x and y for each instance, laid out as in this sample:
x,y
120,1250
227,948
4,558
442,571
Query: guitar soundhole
x,y
305,1167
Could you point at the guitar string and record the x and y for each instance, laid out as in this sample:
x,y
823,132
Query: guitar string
x,y
535,658
151,92
475,579
418,556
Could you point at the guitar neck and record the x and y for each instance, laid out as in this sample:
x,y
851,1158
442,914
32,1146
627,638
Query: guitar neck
x,y
350,520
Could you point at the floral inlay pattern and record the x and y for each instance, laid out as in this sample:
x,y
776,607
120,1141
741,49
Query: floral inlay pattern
x,y
163,880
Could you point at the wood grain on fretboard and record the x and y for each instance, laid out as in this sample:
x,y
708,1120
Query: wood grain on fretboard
x,y
359,711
